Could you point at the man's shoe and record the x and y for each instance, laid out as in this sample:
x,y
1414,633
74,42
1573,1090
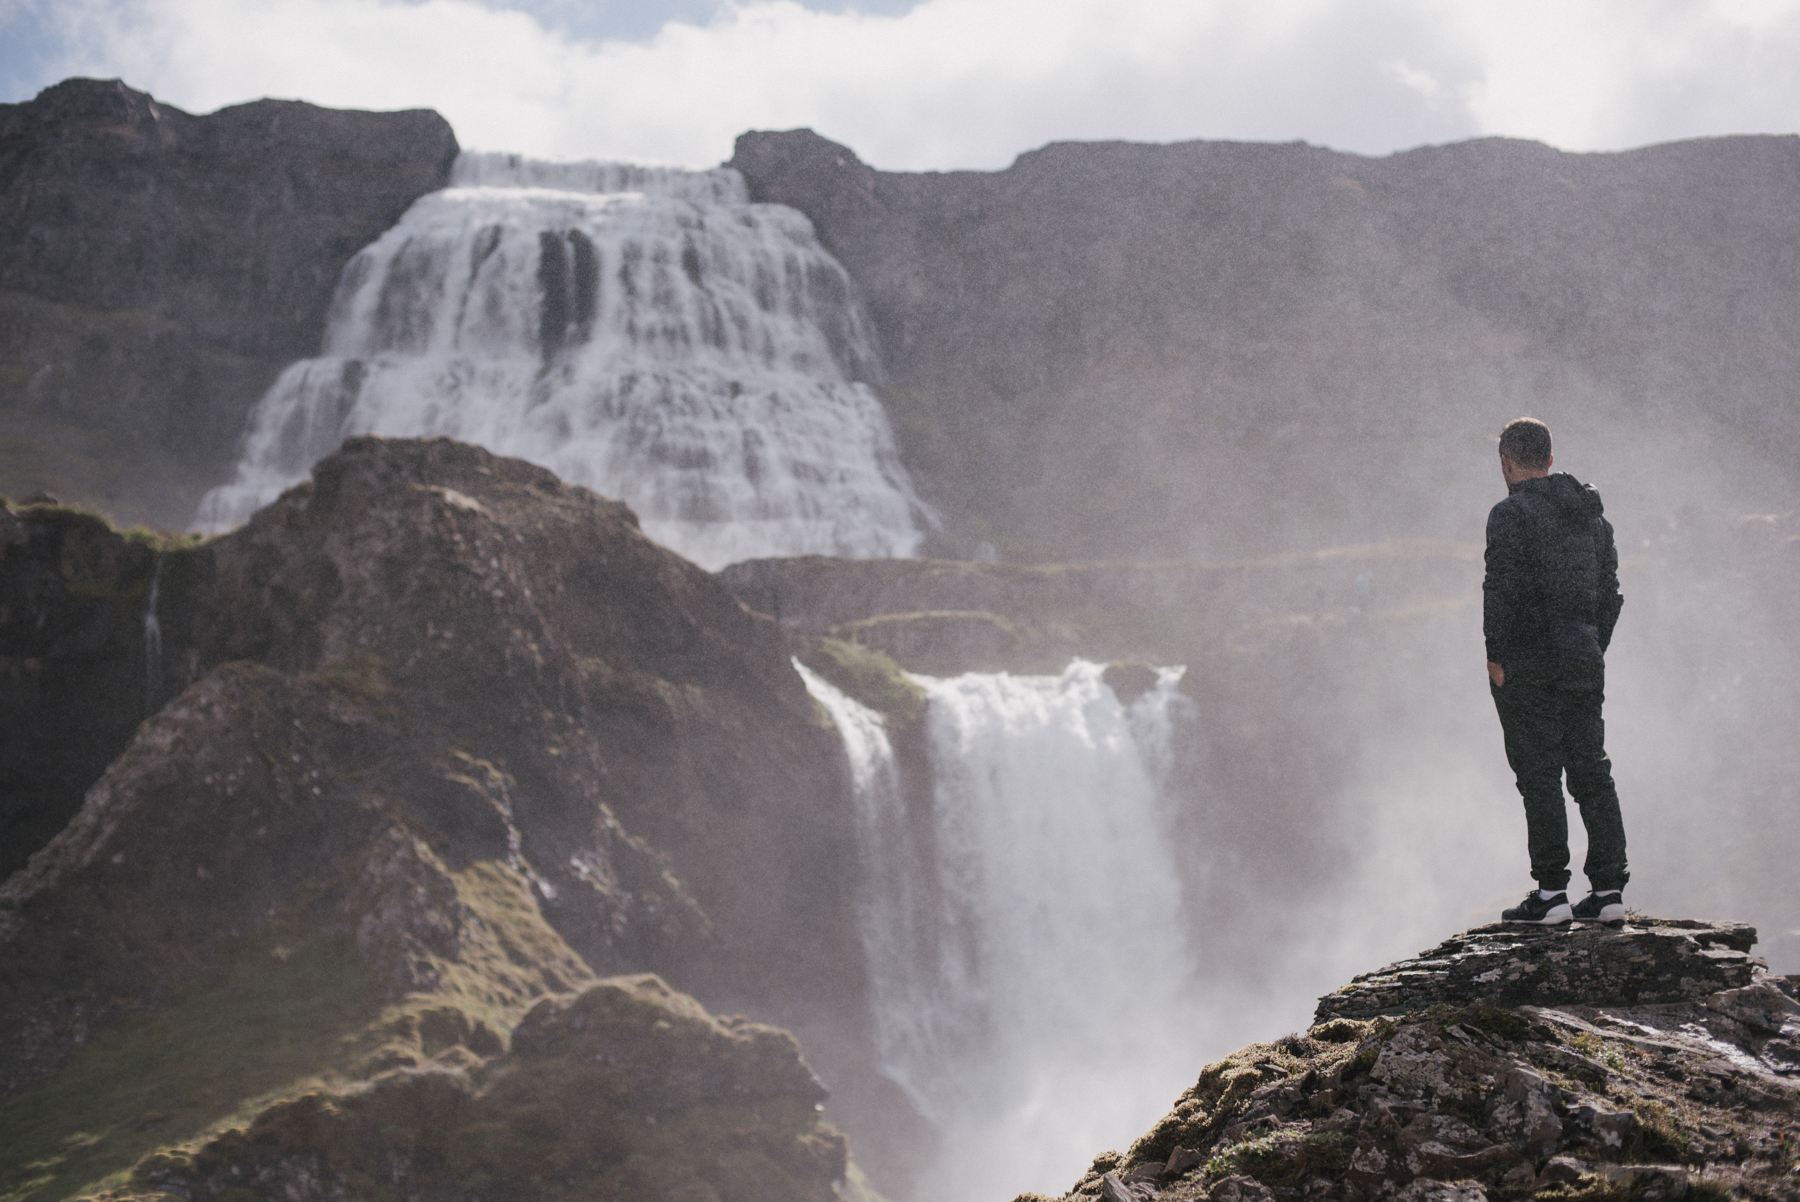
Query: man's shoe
x,y
1601,906
1544,911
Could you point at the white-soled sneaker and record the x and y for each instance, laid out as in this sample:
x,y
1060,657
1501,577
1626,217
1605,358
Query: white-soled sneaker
x,y
1602,906
1545,911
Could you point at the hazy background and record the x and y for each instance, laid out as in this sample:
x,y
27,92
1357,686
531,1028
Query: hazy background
x,y
951,83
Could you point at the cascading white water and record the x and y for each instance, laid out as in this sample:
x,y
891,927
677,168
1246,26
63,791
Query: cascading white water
x,y
1032,978
647,332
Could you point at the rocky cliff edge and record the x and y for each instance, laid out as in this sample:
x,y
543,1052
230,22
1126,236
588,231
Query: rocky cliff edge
x,y
1652,1062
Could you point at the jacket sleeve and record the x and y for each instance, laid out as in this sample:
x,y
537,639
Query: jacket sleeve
x,y
1502,590
1608,600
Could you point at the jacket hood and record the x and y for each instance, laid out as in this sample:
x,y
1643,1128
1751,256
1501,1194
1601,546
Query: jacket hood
x,y
1571,497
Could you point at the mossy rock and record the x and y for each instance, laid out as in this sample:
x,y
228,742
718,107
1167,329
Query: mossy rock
x,y
625,1090
870,677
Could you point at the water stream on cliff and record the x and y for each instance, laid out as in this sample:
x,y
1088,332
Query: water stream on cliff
x,y
1031,974
153,643
647,332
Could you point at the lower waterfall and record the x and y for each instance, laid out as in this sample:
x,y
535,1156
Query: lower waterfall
x,y
1032,979
647,332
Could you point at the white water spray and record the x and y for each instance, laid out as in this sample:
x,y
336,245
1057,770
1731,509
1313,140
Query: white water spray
x,y
1032,978
153,640
647,332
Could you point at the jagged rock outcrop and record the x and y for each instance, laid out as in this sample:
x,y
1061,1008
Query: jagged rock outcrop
x,y
1213,348
157,269
1463,1100
457,735
624,1090
1640,963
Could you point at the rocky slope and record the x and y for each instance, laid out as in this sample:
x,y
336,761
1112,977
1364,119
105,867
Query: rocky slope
x,y
1216,349
1655,1084
625,1090
457,736
157,269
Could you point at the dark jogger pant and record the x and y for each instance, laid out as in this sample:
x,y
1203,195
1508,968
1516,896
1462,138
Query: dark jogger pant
x,y
1550,713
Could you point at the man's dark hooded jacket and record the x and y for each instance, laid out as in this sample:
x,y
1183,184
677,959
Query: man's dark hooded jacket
x,y
1552,587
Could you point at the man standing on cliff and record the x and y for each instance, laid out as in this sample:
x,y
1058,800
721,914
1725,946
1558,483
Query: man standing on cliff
x,y
1551,599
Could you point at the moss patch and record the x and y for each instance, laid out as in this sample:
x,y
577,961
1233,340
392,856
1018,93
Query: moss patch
x,y
359,674
871,677
628,1090
280,1012
1286,1159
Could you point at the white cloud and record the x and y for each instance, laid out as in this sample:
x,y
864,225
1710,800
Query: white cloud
x,y
970,83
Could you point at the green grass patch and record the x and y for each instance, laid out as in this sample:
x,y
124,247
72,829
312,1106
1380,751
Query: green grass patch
x,y
871,677
360,673
279,1014
1595,1048
1658,1136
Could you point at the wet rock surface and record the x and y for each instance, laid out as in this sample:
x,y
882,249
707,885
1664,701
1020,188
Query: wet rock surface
x,y
1463,1101
1638,963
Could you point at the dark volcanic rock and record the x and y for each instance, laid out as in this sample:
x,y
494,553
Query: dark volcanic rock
x,y
1513,964
1209,348
157,269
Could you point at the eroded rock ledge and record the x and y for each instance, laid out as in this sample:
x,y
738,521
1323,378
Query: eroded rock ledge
x,y
1675,1077
1514,965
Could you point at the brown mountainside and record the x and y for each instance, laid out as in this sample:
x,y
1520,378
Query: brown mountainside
x,y
157,269
1210,348
458,736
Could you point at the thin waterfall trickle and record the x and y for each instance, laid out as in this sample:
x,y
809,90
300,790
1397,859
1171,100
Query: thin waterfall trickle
x,y
647,332
1032,977
153,647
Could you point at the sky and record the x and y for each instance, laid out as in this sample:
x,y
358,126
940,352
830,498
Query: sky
x,y
948,84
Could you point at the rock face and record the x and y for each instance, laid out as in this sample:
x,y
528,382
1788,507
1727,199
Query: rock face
x,y
1509,964
157,270
1462,1101
77,674
1210,348
947,616
457,735
625,1090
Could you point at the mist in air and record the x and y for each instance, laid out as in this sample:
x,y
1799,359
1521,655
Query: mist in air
x,y
1280,358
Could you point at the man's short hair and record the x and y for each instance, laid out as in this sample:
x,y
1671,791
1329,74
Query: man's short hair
x,y
1526,442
